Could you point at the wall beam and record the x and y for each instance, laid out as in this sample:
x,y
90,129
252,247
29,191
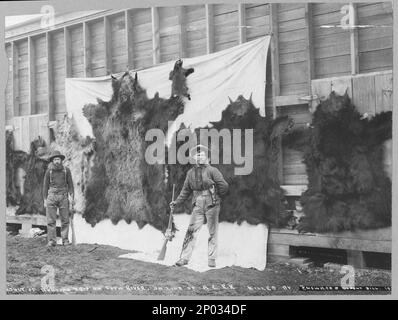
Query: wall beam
x,y
182,31
275,75
50,79
155,35
15,79
86,50
354,40
68,53
274,54
129,39
310,47
108,45
242,22
209,28
32,76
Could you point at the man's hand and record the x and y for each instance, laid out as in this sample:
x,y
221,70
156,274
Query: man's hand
x,y
172,205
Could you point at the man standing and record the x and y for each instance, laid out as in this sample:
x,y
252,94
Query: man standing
x,y
208,186
57,184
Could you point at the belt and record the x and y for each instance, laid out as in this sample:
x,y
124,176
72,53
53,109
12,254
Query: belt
x,y
202,193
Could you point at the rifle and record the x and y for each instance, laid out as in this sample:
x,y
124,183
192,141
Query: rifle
x,y
72,226
162,253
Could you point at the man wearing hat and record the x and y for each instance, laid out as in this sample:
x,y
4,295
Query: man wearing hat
x,y
57,184
208,187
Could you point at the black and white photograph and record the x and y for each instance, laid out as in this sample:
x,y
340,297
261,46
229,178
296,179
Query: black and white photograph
x,y
198,149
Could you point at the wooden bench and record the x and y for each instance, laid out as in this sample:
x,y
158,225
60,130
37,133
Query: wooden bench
x,y
354,242
27,221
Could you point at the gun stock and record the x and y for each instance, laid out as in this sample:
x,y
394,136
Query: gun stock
x,y
73,227
162,253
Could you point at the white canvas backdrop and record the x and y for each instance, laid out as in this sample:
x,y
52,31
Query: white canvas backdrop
x,y
228,73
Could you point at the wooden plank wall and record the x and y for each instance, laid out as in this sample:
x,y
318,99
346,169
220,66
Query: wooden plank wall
x,y
142,37
375,41
292,45
195,22
98,47
96,36
294,170
23,107
118,49
331,44
40,65
58,68
256,20
169,34
226,31
77,57
8,92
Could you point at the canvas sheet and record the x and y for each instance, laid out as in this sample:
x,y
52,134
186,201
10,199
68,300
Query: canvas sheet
x,y
228,73
238,245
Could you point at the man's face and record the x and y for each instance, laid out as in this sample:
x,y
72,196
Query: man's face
x,y
57,160
201,157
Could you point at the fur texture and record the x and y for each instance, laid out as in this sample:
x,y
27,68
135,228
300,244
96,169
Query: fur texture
x,y
343,152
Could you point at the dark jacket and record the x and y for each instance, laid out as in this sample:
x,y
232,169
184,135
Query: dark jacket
x,y
201,178
60,182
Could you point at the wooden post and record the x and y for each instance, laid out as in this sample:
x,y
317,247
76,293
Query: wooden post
x,y
50,79
354,40
242,22
68,55
129,39
210,28
310,47
155,35
274,55
32,76
275,75
15,79
182,31
86,50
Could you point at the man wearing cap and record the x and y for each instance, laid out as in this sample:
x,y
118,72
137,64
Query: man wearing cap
x,y
208,187
57,184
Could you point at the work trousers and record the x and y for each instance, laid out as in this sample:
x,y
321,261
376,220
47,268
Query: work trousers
x,y
54,202
202,208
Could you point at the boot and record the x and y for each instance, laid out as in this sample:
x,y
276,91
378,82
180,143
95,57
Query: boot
x,y
181,262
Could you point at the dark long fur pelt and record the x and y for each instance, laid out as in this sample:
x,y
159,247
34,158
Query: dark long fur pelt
x,y
122,185
257,197
31,201
348,188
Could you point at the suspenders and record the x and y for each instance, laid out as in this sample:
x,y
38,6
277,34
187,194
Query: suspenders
x,y
51,172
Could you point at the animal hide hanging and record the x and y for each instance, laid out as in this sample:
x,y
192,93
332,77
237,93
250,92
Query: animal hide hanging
x,y
348,188
28,194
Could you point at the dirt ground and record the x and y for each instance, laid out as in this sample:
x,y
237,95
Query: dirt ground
x,y
96,269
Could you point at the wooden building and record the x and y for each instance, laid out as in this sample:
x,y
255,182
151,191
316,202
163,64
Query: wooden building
x,y
312,53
